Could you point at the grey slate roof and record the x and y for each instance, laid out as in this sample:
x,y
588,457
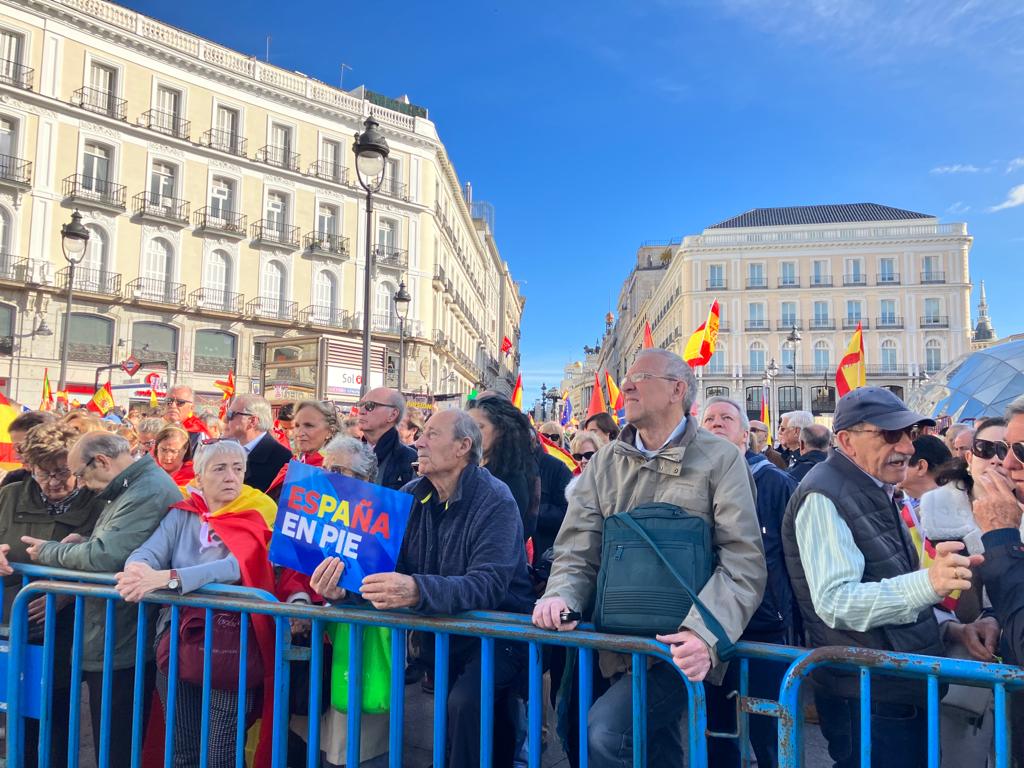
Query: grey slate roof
x,y
843,213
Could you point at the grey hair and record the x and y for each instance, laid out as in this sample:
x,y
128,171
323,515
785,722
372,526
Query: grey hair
x,y
798,418
176,387
676,368
101,443
258,407
364,460
207,453
744,419
464,427
397,400
817,437
151,425
1016,408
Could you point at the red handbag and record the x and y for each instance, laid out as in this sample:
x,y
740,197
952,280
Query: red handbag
x,y
226,652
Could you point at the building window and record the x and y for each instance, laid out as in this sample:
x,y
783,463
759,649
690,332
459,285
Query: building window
x,y
167,117
821,313
91,275
717,392
163,187
280,150
755,317
156,268
788,359
790,398
932,356
96,168
7,329
888,356
12,46
887,271
823,400
272,288
102,89
90,338
788,277
8,146
225,135
887,312
387,235
822,357
155,341
755,276
854,311
277,214
222,199
789,318
330,160
820,274
757,358
716,276
6,259
327,220
215,352
932,311
753,401
931,272
717,362
217,281
325,298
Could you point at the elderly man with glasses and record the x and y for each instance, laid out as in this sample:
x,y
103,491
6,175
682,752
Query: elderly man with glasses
x,y
380,413
856,576
249,420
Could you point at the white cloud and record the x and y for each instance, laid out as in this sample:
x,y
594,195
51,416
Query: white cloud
x,y
1014,198
956,168
957,208
1016,164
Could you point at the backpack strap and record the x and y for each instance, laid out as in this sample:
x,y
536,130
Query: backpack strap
x,y
725,647
761,466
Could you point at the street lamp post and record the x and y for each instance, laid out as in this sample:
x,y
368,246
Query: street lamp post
x,y
773,401
793,342
554,396
402,302
74,238
543,402
371,150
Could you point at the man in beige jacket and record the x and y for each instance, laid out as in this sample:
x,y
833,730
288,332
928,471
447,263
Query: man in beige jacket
x,y
661,456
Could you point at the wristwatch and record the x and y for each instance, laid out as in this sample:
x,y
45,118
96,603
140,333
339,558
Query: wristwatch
x,y
174,582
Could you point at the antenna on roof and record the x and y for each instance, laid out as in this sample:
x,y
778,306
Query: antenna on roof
x,y
341,77
267,59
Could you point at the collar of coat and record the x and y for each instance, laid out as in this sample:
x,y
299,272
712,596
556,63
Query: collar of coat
x,y
673,450
128,476
424,490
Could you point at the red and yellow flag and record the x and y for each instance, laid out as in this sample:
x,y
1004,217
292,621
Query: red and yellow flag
x,y
102,401
701,345
8,413
851,372
766,413
615,401
558,452
228,390
597,399
517,393
46,404
648,338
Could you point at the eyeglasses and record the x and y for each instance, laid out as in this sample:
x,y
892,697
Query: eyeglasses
x,y
147,444
60,476
986,449
636,378
585,456
893,436
340,470
552,437
369,406
80,473
231,414
176,401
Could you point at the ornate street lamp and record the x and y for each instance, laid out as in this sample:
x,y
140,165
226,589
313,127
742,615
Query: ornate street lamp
x,y
554,396
371,150
770,373
543,403
793,342
74,239
402,301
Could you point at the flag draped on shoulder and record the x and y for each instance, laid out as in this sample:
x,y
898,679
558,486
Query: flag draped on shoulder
x,y
701,345
851,372
103,401
615,401
597,399
648,338
517,393
558,452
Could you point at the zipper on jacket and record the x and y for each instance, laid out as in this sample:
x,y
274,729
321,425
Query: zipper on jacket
x,y
618,552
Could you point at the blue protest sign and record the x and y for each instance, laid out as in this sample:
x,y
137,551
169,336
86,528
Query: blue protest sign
x,y
323,514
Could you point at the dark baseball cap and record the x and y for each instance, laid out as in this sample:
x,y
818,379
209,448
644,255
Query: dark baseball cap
x,y
876,406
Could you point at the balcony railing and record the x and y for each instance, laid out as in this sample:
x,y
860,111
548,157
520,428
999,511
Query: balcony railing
x,y
821,281
325,169
279,157
221,220
788,324
715,285
321,314
155,289
935,321
100,102
172,209
439,337
88,189
393,188
888,321
13,73
213,364
887,278
754,283
850,323
272,308
91,281
326,242
849,280
166,123
15,171
789,282
146,354
893,370
390,256
270,232
823,403
383,323
225,141
823,324
756,325
439,276
217,300
90,353
25,271
933,277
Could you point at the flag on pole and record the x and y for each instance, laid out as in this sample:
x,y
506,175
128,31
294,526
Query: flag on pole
x,y
701,345
648,338
851,373
615,401
766,413
597,399
61,399
227,389
506,345
517,393
153,402
566,410
102,401
47,401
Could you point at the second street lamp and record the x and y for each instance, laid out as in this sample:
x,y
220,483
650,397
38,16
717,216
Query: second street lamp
x,y
793,343
74,239
402,302
371,150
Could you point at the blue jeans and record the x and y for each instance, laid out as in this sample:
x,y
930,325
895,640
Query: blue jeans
x,y
899,732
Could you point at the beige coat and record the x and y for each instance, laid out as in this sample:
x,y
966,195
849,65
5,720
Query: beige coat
x,y
701,473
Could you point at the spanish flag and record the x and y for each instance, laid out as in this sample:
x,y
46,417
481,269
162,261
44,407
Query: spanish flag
x,y
597,399
766,415
517,393
648,339
47,402
558,452
701,345
8,413
228,390
102,401
851,373
615,401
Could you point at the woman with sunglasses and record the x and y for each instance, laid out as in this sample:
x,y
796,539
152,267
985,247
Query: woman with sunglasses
x,y
47,505
585,444
314,425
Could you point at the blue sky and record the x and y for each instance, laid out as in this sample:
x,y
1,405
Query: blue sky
x,y
594,126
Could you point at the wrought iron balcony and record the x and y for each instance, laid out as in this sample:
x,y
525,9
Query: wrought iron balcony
x,y
789,282
855,280
384,323
18,75
823,324
439,276
390,256
90,353
225,141
933,277
326,243
155,290
91,281
274,233
716,285
821,281
892,371
935,321
272,308
850,323
788,323
167,123
754,283
89,190
887,278
150,206
439,338
221,221
147,354
321,314
325,169
394,188
24,271
888,321
100,102
279,157
756,325
213,364
823,400
217,300
15,172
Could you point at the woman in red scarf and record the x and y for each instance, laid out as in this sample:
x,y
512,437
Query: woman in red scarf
x,y
314,424
170,451
219,533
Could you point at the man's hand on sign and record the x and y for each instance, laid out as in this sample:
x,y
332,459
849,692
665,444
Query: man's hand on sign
x,y
325,578
390,590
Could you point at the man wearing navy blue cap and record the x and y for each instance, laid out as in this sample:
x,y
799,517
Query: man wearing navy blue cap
x,y
856,576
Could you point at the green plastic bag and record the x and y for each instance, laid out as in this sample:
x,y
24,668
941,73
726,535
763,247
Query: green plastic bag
x,y
376,668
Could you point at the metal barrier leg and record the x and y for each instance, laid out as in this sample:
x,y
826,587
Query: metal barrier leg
x,y
355,692
282,644
698,720
441,645
138,705
243,654
586,671
108,682
74,717
933,722
865,718
316,678
639,710
46,713
486,701
171,700
204,727
536,703
397,724
1002,736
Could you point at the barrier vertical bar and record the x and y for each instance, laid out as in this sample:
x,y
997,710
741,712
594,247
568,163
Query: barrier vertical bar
x,y
486,701
865,718
316,680
586,671
355,692
639,710
74,723
243,690
138,691
16,660
1002,729
698,721
742,718
172,686
397,724
46,709
933,721
108,683
204,726
441,645
535,704
282,646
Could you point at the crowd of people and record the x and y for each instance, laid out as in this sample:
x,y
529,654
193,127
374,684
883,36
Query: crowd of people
x,y
874,533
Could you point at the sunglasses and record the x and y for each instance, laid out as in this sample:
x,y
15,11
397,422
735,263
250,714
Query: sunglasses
x,y
231,414
369,406
893,436
176,401
552,437
987,449
585,456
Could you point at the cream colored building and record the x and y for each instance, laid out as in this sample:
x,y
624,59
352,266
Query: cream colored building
x,y
224,211
821,269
